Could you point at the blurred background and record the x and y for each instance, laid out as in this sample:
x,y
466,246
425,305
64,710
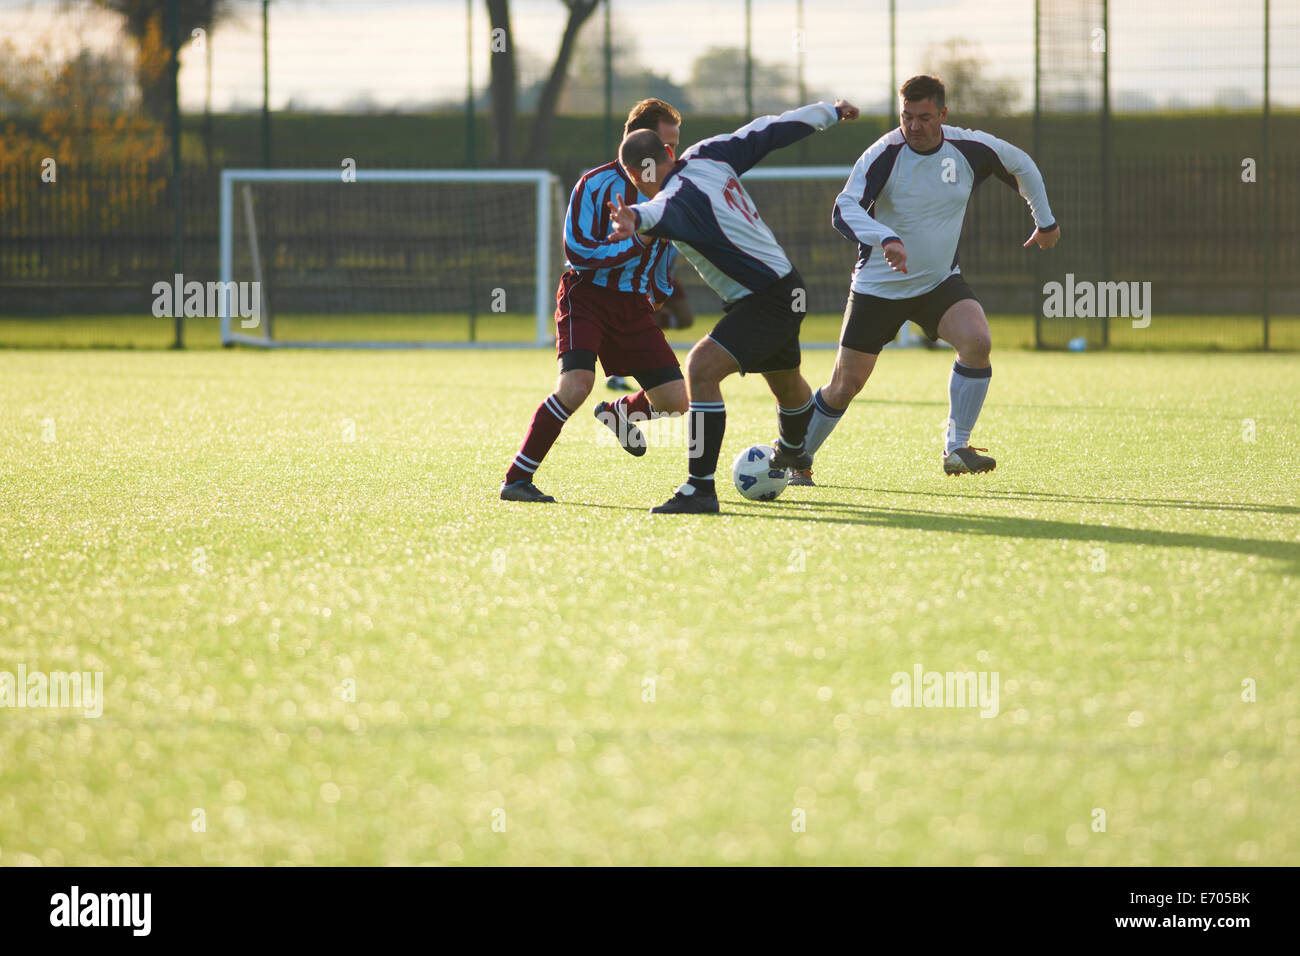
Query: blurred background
x,y
1168,134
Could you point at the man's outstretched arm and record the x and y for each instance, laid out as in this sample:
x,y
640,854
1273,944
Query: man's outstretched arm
x,y
746,147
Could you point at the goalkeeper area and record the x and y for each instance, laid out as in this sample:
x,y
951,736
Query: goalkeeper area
x,y
315,620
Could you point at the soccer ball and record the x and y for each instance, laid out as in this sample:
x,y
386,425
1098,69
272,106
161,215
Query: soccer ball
x,y
754,475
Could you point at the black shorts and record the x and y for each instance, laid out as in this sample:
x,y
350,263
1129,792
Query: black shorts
x,y
647,378
870,322
761,330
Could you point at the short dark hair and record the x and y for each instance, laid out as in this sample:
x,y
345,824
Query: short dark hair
x,y
923,87
639,146
648,114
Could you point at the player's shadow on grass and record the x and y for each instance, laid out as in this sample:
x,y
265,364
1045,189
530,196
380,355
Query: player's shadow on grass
x,y
839,512
1055,497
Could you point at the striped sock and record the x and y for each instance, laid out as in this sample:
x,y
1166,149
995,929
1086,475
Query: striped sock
x,y
824,420
638,403
707,422
545,428
794,424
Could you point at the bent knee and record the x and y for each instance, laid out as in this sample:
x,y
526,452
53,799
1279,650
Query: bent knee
x,y
976,351
704,365
675,404
846,383
575,387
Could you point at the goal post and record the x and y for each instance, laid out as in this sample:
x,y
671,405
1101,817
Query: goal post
x,y
392,258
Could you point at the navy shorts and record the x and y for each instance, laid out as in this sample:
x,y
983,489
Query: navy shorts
x,y
870,322
761,330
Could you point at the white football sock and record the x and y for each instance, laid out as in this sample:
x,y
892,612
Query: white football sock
x,y
824,420
966,390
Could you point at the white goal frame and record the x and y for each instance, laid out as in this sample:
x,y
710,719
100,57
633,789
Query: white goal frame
x,y
544,181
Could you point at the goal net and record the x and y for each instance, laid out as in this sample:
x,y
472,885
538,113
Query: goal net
x,y
388,258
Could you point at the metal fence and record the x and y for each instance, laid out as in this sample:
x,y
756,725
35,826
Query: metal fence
x,y
1169,134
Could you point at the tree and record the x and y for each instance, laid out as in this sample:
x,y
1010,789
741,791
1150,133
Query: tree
x,y
964,71
633,79
504,81
74,118
75,110
146,22
718,83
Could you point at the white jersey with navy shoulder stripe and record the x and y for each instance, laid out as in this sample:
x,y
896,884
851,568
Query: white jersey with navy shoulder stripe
x,y
896,192
710,216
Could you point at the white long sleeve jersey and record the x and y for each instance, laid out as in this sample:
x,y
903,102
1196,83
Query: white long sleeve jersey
x,y
920,198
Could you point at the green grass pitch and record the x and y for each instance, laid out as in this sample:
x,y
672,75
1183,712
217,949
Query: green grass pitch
x,y
324,640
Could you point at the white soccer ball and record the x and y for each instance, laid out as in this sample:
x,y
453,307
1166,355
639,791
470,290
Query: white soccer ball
x,y
754,476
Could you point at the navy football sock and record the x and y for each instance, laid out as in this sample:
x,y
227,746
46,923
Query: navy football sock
x,y
794,424
707,424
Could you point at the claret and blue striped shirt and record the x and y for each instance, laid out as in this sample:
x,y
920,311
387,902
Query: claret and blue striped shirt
x,y
625,266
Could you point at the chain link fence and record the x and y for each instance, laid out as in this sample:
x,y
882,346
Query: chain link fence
x,y
1169,136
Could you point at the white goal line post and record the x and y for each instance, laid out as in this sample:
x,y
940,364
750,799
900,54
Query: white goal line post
x,y
546,184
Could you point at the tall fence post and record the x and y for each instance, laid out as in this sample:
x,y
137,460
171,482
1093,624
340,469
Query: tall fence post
x,y
800,56
471,159
1265,185
207,97
178,212
1104,251
749,59
609,82
1038,157
890,111
266,84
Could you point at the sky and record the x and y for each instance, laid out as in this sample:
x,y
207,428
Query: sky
x,y
333,54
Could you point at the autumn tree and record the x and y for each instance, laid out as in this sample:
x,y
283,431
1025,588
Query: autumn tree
x,y
74,110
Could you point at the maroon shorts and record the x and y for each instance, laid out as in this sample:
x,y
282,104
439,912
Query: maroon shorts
x,y
618,326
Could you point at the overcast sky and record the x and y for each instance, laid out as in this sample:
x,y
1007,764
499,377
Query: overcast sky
x,y
329,53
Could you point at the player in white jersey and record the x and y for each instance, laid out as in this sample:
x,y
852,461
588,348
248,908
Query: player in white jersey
x,y
904,204
699,203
